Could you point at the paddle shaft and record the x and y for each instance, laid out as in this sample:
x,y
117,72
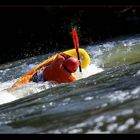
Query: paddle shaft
x,y
80,69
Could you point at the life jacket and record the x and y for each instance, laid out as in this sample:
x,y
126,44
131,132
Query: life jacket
x,y
56,71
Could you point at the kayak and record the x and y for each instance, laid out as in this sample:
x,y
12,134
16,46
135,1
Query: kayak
x,y
84,60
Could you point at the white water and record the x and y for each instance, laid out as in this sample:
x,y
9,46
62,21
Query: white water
x,y
32,87
96,52
90,70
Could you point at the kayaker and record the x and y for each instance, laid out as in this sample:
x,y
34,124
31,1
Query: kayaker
x,y
59,70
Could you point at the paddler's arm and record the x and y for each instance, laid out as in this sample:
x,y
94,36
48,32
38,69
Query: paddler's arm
x,y
58,61
60,58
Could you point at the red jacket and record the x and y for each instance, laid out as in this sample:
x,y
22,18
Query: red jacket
x,y
56,72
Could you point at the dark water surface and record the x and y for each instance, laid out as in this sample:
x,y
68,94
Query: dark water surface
x,y
105,102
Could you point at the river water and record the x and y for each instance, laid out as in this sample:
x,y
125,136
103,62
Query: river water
x,y
104,99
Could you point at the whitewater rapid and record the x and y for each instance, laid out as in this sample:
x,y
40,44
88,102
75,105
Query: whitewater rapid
x,y
104,99
32,87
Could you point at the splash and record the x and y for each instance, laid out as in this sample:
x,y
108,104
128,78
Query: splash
x,y
32,87
90,70
104,55
6,97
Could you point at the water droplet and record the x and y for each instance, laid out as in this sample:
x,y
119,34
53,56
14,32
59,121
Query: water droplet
x,y
88,98
138,73
51,103
43,106
100,118
137,126
130,121
112,127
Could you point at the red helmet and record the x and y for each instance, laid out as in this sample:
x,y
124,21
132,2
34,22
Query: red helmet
x,y
71,64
